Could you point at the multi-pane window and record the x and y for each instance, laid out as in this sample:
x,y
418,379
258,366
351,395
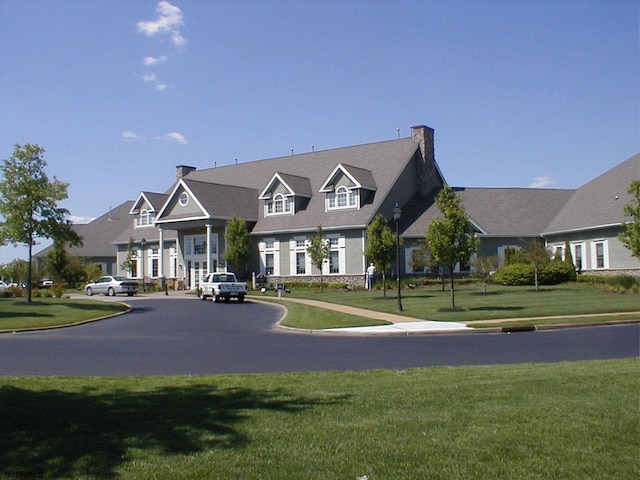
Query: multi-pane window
x,y
278,205
270,256
269,262
600,255
145,218
577,256
199,246
301,263
334,261
342,198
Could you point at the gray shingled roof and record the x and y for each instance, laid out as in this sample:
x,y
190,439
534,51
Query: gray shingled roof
x,y
385,159
300,185
599,202
224,201
509,212
363,176
99,234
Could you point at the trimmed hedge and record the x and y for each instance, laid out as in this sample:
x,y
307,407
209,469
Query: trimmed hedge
x,y
524,274
515,274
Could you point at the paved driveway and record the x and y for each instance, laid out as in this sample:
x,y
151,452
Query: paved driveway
x,y
171,336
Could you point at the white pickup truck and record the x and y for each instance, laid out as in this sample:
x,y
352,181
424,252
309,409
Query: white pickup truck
x,y
222,285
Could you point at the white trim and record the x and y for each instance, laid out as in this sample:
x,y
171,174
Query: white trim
x,y
339,167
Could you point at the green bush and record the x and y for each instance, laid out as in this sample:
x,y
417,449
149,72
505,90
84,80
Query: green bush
x,y
557,272
515,274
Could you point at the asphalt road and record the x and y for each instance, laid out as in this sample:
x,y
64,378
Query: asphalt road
x,y
176,336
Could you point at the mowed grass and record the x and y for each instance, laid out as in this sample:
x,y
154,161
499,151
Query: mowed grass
x,y
16,313
562,421
500,302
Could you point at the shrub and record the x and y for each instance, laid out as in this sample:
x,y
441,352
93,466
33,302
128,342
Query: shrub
x,y
515,274
557,272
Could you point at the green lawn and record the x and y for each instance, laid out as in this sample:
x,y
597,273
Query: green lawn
x,y
499,303
563,421
15,313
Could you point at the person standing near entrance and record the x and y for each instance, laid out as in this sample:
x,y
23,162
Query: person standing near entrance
x,y
371,276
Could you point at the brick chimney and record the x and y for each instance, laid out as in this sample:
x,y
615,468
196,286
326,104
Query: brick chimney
x,y
183,170
428,176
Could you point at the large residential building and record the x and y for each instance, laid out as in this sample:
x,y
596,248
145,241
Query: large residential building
x,y
180,234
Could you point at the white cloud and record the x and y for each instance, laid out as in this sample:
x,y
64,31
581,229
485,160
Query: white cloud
x,y
153,79
542,182
154,60
150,78
168,22
174,137
131,136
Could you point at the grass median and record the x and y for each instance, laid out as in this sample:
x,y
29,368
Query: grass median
x,y
577,303
16,313
562,421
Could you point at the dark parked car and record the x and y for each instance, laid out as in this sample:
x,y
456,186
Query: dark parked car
x,y
109,285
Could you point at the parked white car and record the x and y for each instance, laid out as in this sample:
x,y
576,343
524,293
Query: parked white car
x,y
110,285
3,286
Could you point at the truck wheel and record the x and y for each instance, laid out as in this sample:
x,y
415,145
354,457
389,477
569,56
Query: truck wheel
x,y
227,299
240,298
201,295
216,298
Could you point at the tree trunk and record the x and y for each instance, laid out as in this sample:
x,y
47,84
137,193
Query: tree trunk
x,y
384,285
29,274
453,294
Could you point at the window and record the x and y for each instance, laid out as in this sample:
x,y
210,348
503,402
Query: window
x,y
269,256
154,267
334,261
184,199
269,263
342,198
278,205
577,256
199,246
337,258
600,255
301,264
299,261
145,218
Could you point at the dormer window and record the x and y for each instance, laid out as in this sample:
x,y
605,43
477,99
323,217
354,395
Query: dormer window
x,y
342,198
284,193
347,186
145,218
279,205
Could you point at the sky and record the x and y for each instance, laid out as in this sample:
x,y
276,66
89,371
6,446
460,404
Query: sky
x,y
535,93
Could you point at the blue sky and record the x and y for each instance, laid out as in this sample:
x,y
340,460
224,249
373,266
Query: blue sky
x,y
520,93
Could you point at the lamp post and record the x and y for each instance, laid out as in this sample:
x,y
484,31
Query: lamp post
x,y
143,242
397,213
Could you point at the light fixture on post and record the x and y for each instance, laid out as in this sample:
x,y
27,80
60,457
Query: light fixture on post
x,y
143,242
397,214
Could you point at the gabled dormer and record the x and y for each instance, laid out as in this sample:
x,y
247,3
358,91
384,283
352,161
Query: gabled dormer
x,y
347,187
145,208
285,194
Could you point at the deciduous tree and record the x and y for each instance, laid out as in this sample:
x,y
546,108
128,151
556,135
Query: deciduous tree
x,y
29,203
380,247
319,250
630,236
238,251
449,237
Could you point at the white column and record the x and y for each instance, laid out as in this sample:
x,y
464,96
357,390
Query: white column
x,y
208,248
161,253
